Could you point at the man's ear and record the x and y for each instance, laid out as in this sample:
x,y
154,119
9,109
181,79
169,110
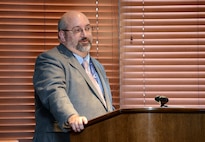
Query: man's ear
x,y
61,35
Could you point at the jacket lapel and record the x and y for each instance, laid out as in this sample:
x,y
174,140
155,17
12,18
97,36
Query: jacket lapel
x,y
104,86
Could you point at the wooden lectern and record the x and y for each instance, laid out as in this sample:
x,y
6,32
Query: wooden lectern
x,y
146,125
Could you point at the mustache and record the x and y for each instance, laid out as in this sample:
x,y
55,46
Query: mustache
x,y
84,39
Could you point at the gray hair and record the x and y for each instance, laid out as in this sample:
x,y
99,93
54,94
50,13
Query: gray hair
x,y
62,24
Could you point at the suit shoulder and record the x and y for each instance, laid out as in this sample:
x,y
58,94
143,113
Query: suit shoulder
x,y
58,52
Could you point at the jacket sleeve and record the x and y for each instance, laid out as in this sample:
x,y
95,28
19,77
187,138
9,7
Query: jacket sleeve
x,y
50,86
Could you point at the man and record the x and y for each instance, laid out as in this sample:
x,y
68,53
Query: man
x,y
65,96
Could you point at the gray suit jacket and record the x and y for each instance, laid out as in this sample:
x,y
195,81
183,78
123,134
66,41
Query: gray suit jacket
x,y
62,88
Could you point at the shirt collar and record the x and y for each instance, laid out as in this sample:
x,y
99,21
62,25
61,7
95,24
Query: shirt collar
x,y
80,59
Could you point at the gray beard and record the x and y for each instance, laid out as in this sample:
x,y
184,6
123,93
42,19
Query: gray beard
x,y
81,48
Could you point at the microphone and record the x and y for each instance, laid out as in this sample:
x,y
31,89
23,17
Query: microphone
x,y
162,100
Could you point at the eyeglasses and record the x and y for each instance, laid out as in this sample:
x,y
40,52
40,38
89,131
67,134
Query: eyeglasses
x,y
77,29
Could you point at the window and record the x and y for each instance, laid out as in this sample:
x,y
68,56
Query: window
x,y
162,46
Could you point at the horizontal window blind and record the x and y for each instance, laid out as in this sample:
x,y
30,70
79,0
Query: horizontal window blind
x,y
162,52
28,28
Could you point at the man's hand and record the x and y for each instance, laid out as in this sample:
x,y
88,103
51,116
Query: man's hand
x,y
77,122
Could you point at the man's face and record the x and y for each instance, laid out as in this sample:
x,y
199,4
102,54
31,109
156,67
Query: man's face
x,y
79,34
